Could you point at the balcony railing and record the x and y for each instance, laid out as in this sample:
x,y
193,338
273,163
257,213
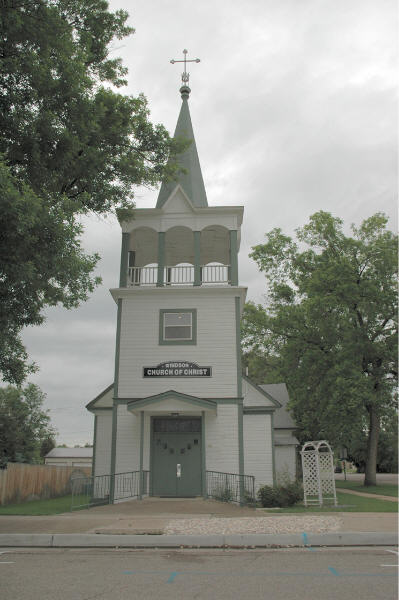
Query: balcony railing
x,y
179,275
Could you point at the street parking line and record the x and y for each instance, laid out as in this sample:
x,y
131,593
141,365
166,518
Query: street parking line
x,y
306,543
393,552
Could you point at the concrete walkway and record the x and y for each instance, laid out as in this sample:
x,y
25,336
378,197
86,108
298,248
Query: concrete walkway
x,y
366,495
152,515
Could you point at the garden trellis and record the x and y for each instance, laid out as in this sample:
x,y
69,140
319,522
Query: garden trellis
x,y
318,473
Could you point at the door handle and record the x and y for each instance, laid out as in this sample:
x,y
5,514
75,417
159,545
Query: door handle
x,y
178,471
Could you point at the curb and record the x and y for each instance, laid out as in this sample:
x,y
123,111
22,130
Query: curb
x,y
296,540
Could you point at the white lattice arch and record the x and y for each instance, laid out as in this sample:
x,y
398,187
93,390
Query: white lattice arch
x,y
318,473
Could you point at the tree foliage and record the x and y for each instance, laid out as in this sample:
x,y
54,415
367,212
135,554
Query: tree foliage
x,y
330,326
70,145
25,427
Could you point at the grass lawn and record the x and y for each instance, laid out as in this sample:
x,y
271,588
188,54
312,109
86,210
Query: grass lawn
x,y
53,506
385,489
347,502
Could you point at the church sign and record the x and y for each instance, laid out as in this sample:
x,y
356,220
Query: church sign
x,y
177,368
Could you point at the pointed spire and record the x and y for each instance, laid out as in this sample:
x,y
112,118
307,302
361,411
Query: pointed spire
x,y
191,180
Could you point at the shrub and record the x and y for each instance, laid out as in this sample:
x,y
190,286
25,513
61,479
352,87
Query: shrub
x,y
283,495
223,494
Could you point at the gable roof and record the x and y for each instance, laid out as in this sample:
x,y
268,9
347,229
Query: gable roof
x,y
190,177
70,453
201,402
282,418
101,395
262,391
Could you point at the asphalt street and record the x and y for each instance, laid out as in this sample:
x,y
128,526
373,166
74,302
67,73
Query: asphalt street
x,y
120,574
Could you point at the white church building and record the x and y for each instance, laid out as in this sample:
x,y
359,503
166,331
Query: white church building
x,y
179,410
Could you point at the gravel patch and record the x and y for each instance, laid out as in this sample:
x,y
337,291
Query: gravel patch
x,y
284,524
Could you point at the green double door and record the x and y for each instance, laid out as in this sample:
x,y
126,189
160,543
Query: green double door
x,y
176,457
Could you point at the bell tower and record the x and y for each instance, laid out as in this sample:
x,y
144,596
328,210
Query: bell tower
x,y
177,359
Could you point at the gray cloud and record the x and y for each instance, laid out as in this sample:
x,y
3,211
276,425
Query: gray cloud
x,y
294,110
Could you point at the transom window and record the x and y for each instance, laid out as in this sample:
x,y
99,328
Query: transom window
x,y
179,425
177,326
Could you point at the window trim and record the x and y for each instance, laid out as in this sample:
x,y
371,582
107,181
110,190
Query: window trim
x,y
192,342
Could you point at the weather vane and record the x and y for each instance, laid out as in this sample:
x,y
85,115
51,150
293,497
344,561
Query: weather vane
x,y
185,76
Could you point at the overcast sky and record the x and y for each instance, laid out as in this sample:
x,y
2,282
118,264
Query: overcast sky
x,y
294,110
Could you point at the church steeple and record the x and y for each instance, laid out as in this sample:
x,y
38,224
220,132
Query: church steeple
x,y
190,178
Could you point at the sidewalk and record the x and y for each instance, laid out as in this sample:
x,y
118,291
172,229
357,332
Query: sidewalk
x,y
158,522
366,495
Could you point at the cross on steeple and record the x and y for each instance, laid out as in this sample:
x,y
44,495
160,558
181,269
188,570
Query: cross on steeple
x,y
185,76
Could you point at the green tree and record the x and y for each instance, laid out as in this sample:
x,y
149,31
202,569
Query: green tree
x,y
70,145
387,459
330,323
24,424
47,445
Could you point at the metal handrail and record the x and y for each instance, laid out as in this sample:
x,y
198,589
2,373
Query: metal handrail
x,y
96,490
90,491
231,487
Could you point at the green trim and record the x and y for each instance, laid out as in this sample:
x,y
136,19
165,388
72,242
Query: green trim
x,y
241,450
240,439
161,258
141,453
115,406
240,411
93,466
238,346
151,483
203,456
233,257
113,452
124,259
261,391
139,403
258,410
197,258
273,449
193,340
101,395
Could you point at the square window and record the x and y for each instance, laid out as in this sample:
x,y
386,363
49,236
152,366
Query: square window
x,y
177,326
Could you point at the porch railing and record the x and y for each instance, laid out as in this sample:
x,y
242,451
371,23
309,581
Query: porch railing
x,y
231,487
178,275
128,485
95,491
90,491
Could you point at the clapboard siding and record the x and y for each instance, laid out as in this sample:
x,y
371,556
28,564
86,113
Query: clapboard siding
x,y
258,457
216,345
127,441
285,461
221,439
103,443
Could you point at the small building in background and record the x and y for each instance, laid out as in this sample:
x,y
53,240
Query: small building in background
x,y
70,457
285,442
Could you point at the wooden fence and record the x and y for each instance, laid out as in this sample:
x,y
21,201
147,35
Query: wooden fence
x,y
21,482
